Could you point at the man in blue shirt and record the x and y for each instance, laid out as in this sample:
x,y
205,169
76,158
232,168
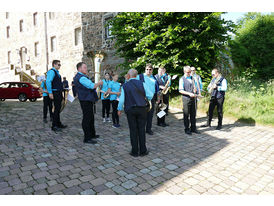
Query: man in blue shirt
x,y
55,88
132,97
188,88
47,103
164,81
87,96
218,85
151,83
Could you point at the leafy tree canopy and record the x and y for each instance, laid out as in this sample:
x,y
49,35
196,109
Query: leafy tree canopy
x,y
171,39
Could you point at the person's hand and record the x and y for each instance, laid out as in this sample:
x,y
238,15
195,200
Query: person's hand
x,y
192,95
162,87
119,113
51,96
118,93
215,86
100,82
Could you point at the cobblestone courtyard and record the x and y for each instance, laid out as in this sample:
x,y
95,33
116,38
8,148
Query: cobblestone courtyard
x,y
34,160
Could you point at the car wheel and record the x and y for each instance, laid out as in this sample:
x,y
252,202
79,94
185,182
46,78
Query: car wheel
x,y
22,97
32,99
2,100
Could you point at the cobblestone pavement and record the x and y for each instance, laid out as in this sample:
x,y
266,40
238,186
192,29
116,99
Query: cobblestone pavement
x,y
34,160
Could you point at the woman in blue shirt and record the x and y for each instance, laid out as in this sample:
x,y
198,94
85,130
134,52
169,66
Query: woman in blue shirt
x,y
105,98
47,102
115,91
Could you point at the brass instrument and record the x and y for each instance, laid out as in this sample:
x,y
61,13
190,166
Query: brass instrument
x,y
106,95
165,90
64,100
211,85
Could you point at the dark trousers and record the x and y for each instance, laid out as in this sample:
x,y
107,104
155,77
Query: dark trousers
x,y
47,106
115,117
74,91
136,117
166,102
88,120
106,107
150,115
189,111
57,100
213,102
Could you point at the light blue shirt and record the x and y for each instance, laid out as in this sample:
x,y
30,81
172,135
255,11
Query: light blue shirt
x,y
197,77
50,77
44,88
115,87
181,83
149,82
105,86
149,95
222,87
86,82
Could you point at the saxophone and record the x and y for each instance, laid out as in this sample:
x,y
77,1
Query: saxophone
x,y
211,85
165,90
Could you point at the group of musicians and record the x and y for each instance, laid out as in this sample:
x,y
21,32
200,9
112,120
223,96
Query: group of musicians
x,y
138,97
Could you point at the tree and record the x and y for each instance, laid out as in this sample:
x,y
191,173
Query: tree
x,y
252,49
170,39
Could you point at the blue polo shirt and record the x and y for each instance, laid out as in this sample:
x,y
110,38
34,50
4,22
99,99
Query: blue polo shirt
x,y
86,82
50,76
115,87
44,88
105,86
150,82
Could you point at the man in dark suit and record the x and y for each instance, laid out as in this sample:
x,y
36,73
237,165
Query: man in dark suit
x,y
87,96
133,95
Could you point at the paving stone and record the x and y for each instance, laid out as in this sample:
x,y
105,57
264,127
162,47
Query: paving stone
x,y
157,160
118,189
55,188
6,190
156,173
171,167
72,190
129,184
98,181
109,184
88,192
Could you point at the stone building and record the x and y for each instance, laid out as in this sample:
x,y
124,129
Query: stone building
x,y
31,40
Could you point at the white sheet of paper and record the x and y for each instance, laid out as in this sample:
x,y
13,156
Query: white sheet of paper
x,y
174,76
161,114
70,98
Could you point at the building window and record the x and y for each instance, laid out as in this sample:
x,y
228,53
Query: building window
x,y
9,53
8,32
7,15
77,36
108,29
35,19
21,25
53,43
36,49
51,15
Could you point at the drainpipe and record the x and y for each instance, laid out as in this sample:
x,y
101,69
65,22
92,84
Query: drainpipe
x,y
46,38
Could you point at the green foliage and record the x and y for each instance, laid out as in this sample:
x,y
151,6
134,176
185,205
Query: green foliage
x,y
170,39
253,46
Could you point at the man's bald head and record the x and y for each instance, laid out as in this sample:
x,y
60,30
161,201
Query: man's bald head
x,y
132,73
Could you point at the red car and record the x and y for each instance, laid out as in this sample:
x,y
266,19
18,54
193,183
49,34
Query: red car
x,y
19,90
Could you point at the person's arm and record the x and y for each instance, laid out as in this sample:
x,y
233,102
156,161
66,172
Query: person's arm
x,y
50,76
223,86
200,83
88,83
121,102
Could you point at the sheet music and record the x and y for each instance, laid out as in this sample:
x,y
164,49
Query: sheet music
x,y
161,114
70,98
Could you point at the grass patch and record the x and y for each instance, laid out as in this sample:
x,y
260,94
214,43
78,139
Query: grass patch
x,y
250,101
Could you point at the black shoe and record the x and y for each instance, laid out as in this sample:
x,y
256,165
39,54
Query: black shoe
x,y
144,154
45,120
218,127
165,124
63,126
188,132
162,125
150,132
96,136
196,131
133,154
56,129
90,141
206,125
